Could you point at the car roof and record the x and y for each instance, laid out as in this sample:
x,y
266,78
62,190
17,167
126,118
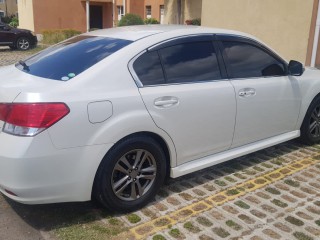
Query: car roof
x,y
134,33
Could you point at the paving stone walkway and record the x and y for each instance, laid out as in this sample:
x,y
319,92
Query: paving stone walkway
x,y
271,194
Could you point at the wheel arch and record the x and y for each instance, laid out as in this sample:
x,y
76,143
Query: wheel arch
x,y
162,142
305,109
165,147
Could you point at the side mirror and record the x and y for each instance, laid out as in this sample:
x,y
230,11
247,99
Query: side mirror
x,y
295,68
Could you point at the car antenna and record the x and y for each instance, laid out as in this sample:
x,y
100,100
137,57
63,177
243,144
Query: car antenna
x,y
25,66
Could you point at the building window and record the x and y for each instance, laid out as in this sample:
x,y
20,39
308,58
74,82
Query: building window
x,y
2,13
148,11
120,12
1,1
162,14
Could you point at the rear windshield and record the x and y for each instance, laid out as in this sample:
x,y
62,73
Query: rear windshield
x,y
71,57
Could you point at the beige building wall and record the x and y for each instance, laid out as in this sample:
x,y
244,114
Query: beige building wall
x,y
25,9
190,9
282,24
11,7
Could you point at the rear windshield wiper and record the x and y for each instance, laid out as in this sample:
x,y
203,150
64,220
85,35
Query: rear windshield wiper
x,y
24,65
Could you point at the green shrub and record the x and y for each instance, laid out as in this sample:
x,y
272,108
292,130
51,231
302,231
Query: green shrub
x,y
130,19
196,21
14,22
55,36
151,21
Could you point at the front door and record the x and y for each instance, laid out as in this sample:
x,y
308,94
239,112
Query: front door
x,y
96,17
268,100
187,98
6,35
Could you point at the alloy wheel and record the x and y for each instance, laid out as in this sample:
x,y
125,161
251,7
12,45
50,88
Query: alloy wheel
x,y
133,175
314,126
23,44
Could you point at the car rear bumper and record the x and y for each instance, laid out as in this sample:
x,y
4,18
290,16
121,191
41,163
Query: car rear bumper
x,y
32,171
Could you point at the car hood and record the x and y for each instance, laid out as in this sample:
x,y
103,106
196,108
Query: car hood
x,y
20,30
13,82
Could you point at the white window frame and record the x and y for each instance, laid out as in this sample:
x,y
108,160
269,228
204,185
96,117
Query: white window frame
x,y
2,13
120,12
161,14
148,11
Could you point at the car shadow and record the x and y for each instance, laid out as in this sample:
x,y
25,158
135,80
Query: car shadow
x,y
54,216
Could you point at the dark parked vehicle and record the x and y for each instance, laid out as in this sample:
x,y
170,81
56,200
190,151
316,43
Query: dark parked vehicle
x,y
15,38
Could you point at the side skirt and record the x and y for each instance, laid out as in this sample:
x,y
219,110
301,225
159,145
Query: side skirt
x,y
209,161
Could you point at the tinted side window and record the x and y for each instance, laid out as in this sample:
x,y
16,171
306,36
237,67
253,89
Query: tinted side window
x,y
148,68
249,61
190,62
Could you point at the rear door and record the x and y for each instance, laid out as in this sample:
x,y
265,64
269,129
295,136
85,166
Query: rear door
x,y
187,95
268,100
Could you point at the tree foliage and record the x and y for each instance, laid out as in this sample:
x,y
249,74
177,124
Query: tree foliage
x,y
130,19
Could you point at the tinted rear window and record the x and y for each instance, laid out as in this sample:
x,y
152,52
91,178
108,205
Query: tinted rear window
x,y
70,58
149,70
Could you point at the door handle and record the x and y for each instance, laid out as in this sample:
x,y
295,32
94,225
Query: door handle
x,y
247,92
165,102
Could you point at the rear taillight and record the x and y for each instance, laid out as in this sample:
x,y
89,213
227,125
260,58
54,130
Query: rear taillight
x,y
29,119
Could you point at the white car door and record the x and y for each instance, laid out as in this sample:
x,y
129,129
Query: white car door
x,y
183,89
268,100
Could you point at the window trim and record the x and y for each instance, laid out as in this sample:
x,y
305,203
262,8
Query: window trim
x,y
252,42
175,41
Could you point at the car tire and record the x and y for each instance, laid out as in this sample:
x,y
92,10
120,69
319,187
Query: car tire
x,y
310,128
130,175
23,44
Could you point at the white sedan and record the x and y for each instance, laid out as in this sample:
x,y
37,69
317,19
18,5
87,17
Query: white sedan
x,y
110,114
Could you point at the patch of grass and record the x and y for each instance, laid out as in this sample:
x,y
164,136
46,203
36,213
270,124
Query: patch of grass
x,y
238,175
190,227
237,166
228,170
318,222
221,232
92,231
255,160
114,221
175,233
233,225
158,237
230,179
301,236
232,192
266,165
36,49
133,218
259,169
294,221
204,221
279,203
242,204
273,191
249,172
162,222
220,183
278,161
292,183
58,35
